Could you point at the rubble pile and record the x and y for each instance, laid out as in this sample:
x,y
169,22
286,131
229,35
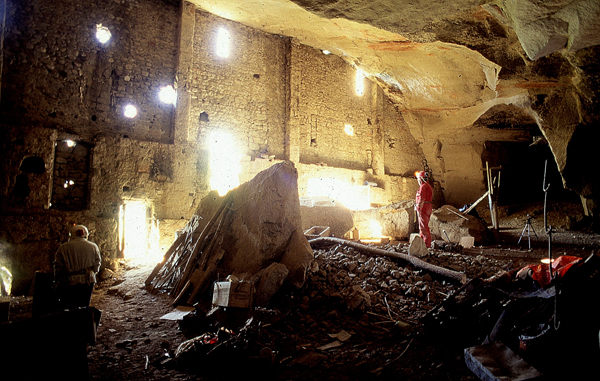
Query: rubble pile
x,y
375,284
384,285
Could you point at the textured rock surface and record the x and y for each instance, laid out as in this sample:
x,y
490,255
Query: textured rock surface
x,y
395,220
446,225
265,214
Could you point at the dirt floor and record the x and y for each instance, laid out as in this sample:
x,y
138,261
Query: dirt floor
x,y
327,330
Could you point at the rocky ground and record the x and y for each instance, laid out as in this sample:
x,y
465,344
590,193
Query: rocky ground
x,y
359,316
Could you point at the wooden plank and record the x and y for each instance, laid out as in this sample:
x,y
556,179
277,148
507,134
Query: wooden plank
x,y
476,202
190,227
210,269
191,263
458,214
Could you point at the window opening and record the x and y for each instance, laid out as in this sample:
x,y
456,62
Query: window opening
x,y
167,95
33,164
360,82
223,41
349,130
130,111
103,34
70,176
354,197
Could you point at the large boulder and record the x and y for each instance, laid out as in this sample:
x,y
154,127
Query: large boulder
x,y
395,220
264,226
448,223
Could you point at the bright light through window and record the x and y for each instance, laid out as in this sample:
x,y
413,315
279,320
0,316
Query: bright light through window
x,y
167,95
360,82
225,164
349,130
70,143
130,111
354,197
223,41
102,34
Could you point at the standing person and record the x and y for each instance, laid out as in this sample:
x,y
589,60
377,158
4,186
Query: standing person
x,y
76,264
423,206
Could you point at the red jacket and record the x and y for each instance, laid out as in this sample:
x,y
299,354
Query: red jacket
x,y
424,195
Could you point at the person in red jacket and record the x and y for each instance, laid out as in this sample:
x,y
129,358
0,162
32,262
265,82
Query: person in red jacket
x,y
423,206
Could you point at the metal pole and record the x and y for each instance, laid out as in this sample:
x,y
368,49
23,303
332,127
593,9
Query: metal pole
x,y
546,227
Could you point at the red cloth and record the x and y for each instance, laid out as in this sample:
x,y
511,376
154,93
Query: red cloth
x,y
541,273
424,209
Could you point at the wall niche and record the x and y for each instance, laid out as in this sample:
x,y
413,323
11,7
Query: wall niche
x,y
70,189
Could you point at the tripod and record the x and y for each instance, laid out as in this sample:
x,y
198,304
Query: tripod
x,y
527,227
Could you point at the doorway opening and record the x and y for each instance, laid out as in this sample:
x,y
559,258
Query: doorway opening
x,y
138,232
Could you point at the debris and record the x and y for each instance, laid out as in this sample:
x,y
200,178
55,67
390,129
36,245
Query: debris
x,y
105,274
179,313
316,232
334,344
467,242
445,223
233,294
461,277
341,335
401,354
458,214
269,282
359,299
310,360
417,246
473,205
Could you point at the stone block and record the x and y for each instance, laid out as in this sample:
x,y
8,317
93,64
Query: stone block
x,y
417,246
467,242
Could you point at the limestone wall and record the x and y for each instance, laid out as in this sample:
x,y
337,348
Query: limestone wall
x,y
323,101
57,74
403,155
244,93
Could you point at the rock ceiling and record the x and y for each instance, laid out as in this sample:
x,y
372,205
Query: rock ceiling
x,y
430,55
446,63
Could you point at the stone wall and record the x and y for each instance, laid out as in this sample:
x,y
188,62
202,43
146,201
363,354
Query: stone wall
x,y
243,94
323,101
57,74
403,155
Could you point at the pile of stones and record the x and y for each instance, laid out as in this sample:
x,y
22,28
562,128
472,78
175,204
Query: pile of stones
x,y
384,286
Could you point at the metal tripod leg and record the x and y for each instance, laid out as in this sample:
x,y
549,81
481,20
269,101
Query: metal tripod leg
x,y
527,228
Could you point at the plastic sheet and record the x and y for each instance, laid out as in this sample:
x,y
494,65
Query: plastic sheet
x,y
541,273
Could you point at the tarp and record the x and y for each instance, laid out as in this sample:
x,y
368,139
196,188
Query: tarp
x,y
541,273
